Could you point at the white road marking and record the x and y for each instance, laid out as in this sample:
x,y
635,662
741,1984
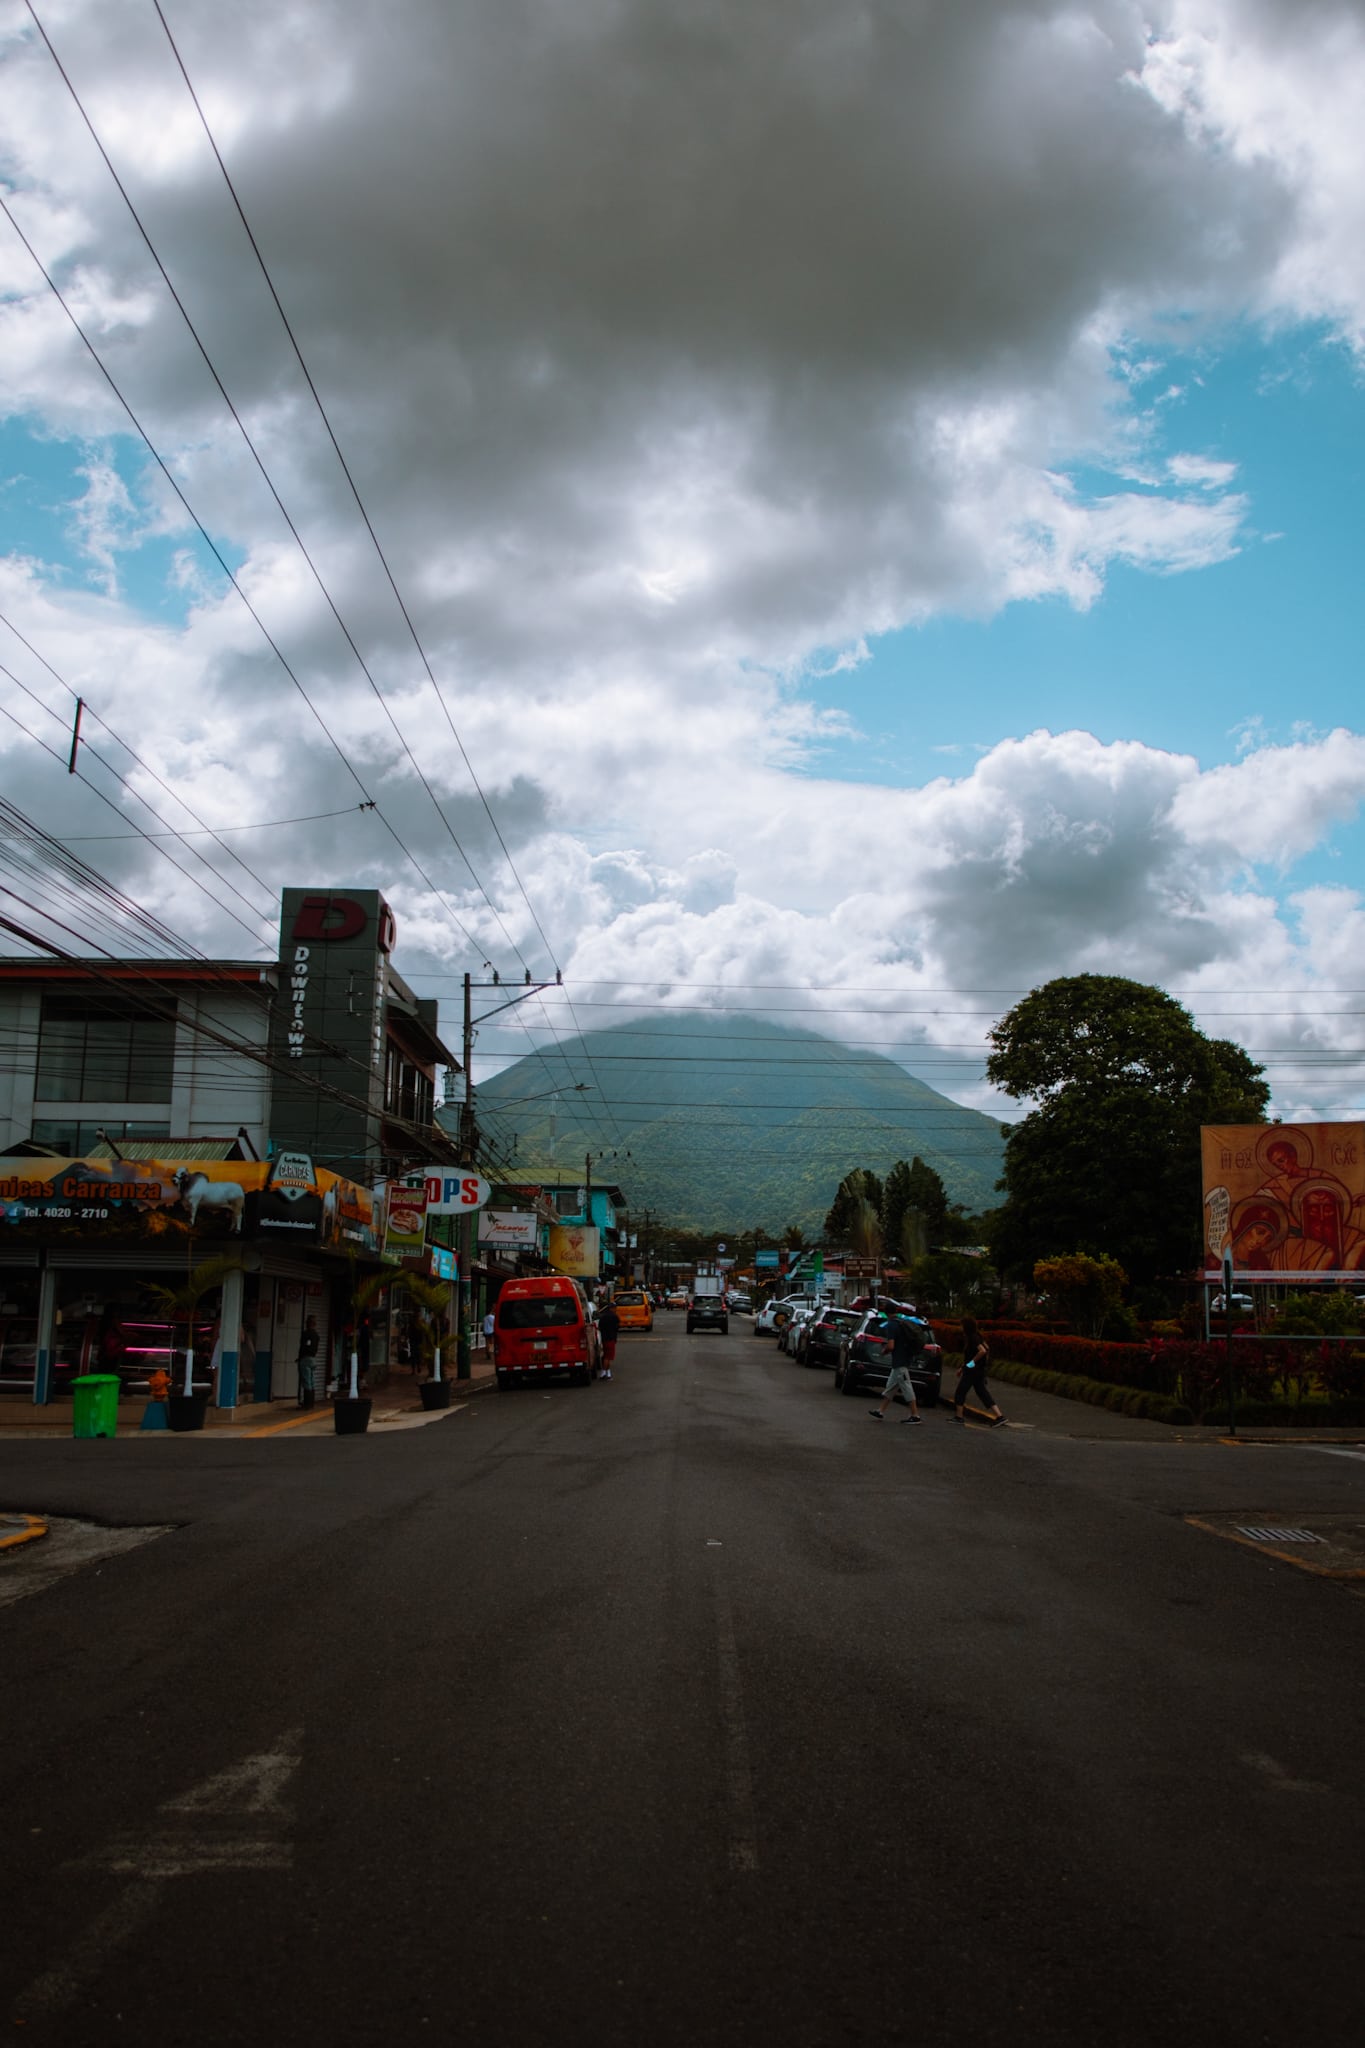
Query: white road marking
x,y
238,1819
1332,1451
57,1988
1278,1776
254,1786
738,1779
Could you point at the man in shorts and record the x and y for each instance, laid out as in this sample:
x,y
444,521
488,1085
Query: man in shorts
x,y
608,1329
907,1342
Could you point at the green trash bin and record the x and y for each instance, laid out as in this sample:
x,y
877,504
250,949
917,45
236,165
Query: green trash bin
x,y
94,1399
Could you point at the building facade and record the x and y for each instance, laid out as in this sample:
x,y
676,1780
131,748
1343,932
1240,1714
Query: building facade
x,y
156,1115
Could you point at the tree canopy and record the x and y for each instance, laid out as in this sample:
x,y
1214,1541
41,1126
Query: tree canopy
x,y
1108,1161
848,1211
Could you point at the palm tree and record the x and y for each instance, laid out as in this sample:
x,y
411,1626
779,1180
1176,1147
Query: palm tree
x,y
428,1294
180,1304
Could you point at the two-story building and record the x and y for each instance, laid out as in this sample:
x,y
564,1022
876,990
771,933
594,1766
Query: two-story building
x,y
157,1112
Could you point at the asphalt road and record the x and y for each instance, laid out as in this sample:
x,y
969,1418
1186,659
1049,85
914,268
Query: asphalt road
x,y
693,1707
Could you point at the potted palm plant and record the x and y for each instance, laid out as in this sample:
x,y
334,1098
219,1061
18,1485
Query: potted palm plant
x,y
186,1409
433,1297
351,1410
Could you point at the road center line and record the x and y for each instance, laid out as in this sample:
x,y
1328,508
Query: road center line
x,y
124,1917
739,1790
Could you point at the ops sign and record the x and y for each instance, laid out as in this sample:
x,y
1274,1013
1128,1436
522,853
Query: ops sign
x,y
456,1191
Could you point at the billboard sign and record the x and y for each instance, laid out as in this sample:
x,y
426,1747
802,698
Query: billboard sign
x,y
768,1259
574,1250
209,1200
1286,1201
510,1229
456,1191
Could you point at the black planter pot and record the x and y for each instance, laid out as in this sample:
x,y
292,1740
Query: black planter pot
x,y
187,1411
435,1393
352,1418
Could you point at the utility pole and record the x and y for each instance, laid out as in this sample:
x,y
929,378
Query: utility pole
x,y
469,1141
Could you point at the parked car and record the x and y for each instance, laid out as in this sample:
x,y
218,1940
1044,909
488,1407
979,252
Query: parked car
x,y
740,1304
1242,1305
791,1336
634,1307
774,1317
820,1335
865,1357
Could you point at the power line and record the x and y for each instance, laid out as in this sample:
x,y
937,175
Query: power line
x,y
225,908
266,477
132,754
355,493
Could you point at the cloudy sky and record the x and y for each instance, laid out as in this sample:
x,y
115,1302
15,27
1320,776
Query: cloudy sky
x,y
871,491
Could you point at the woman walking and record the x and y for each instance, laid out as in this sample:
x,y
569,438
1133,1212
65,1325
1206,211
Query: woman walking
x,y
976,1354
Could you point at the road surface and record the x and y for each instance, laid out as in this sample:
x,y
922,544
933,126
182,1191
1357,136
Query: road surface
x,y
691,1708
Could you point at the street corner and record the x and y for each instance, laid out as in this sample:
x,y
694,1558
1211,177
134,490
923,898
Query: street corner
x,y
71,1545
19,1529
1328,1546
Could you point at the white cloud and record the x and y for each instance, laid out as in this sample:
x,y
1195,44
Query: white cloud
x,y
679,350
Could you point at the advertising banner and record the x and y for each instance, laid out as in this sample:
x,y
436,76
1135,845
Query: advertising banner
x,y
574,1250
1286,1200
124,1201
768,1259
405,1229
509,1229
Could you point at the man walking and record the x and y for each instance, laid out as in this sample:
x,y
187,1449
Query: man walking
x,y
308,1351
608,1329
907,1342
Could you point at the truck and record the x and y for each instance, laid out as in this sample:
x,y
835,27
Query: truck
x,y
706,1308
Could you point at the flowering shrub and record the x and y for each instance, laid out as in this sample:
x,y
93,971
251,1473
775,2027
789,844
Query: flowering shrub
x,y
1185,1370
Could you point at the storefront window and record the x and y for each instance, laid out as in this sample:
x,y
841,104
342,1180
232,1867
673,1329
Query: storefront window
x,y
74,1136
104,1050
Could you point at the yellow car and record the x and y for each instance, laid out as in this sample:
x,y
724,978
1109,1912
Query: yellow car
x,y
635,1309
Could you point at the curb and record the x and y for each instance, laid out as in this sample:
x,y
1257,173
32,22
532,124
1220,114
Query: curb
x,y
17,1529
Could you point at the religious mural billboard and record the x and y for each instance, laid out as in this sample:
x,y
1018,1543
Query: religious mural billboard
x,y
1288,1200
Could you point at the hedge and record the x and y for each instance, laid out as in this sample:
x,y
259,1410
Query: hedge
x,y
1147,1407
1190,1376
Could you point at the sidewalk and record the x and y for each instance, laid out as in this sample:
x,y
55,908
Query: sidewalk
x,y
1055,1415
396,1405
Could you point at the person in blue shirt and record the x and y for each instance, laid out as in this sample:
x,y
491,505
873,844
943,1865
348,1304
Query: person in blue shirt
x,y
907,1342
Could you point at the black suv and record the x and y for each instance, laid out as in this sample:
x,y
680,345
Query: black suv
x,y
707,1312
864,1365
819,1338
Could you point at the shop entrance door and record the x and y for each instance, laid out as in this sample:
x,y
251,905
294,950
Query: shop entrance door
x,y
291,1305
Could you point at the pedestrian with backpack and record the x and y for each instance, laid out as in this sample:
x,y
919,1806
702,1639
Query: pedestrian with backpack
x,y
907,1342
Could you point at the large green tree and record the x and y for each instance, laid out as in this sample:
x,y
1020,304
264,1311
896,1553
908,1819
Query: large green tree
x,y
914,1209
1108,1161
848,1216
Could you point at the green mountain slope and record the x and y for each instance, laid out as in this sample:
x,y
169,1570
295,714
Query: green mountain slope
x,y
733,1121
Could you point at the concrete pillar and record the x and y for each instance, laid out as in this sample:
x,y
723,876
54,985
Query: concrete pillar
x,y
229,1330
47,1335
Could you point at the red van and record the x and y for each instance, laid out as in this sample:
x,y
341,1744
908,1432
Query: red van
x,y
543,1331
